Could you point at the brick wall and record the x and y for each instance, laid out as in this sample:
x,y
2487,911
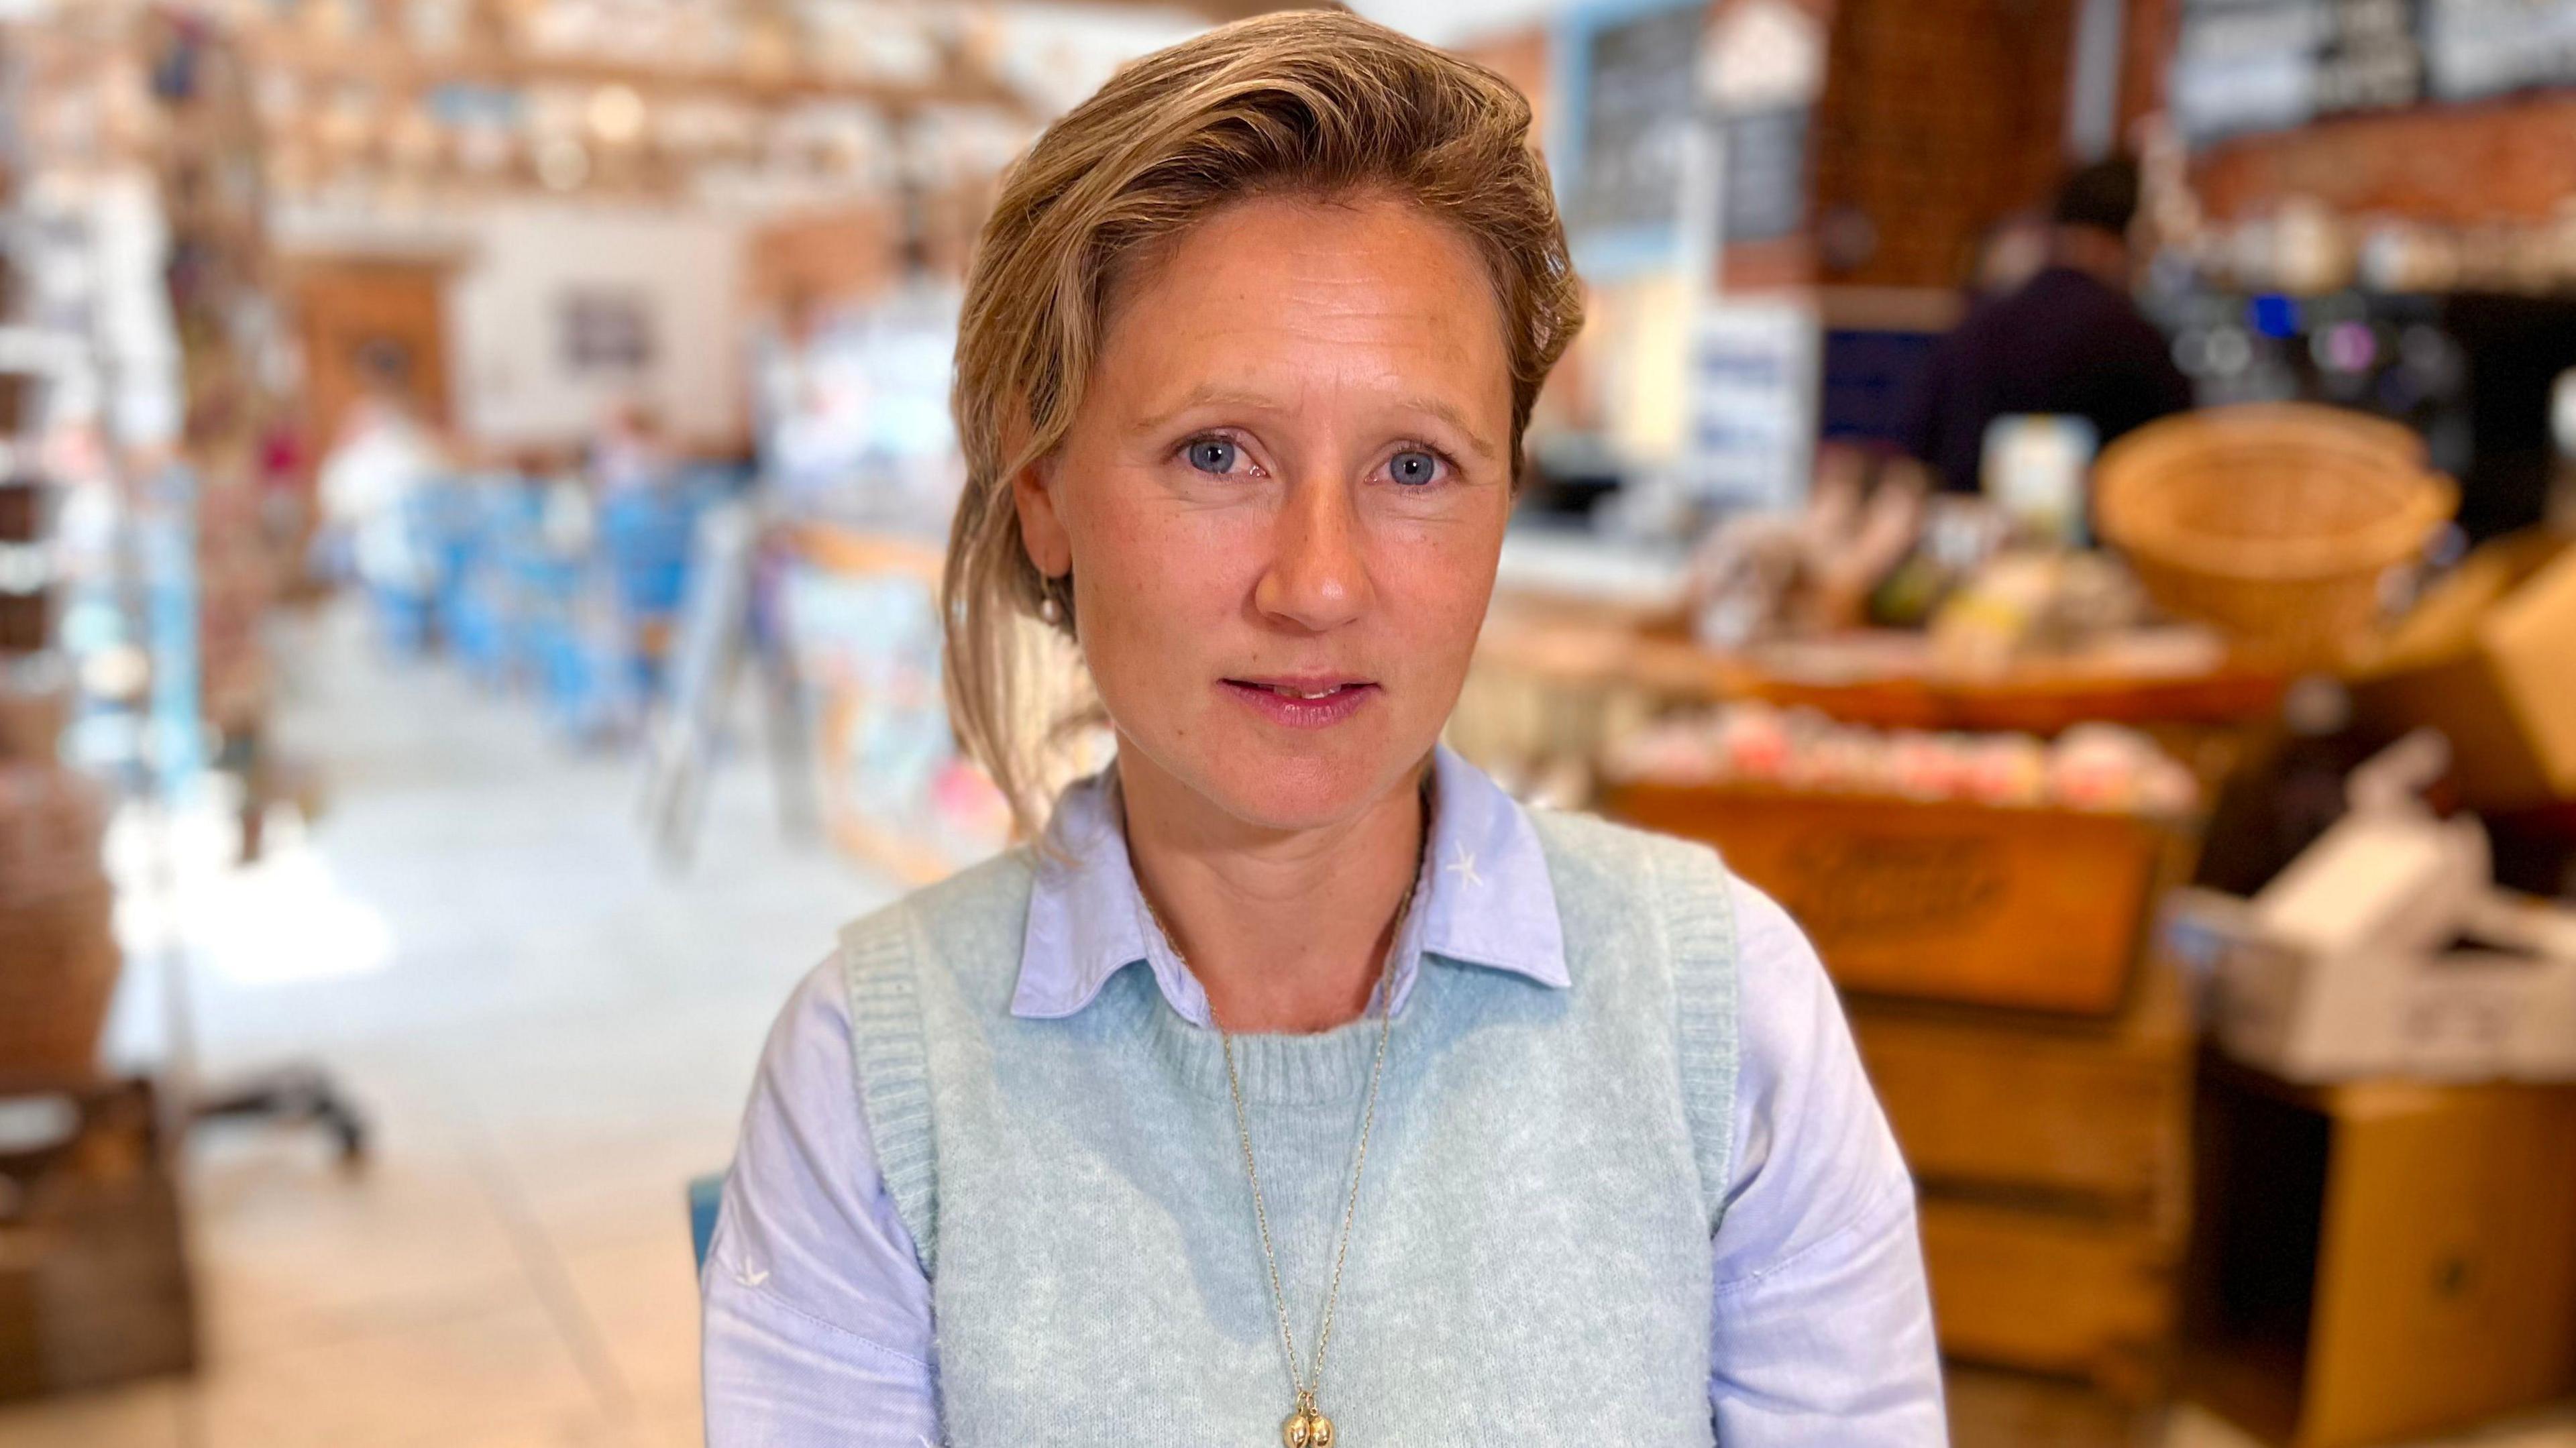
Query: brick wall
x,y
2510,160
1938,120
2504,160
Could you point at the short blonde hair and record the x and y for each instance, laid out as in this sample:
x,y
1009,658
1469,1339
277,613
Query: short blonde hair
x,y
1316,103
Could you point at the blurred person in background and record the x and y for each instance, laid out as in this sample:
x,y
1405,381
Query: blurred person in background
x,y
627,452
811,393
384,459
1298,1085
2068,341
2011,252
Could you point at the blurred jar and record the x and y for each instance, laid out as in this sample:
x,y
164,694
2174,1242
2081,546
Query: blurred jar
x,y
2561,514
2312,250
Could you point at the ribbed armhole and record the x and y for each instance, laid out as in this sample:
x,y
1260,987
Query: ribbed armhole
x,y
893,1068
1699,912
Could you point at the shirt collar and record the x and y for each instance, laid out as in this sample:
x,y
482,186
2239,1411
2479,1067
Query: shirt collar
x,y
1485,899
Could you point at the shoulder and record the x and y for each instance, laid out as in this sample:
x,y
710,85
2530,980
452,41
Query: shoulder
x,y
1782,998
2095,301
1588,844
1786,997
807,1055
1596,863
1811,1158
974,916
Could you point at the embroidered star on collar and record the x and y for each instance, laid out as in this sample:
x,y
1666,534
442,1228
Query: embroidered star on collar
x,y
1464,864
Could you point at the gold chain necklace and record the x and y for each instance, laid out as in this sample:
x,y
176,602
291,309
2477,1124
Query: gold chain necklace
x,y
1306,1426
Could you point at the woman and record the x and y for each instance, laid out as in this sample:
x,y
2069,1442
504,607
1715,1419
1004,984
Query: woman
x,y
1299,1084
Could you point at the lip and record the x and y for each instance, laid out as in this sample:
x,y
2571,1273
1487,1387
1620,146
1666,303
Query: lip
x,y
1341,697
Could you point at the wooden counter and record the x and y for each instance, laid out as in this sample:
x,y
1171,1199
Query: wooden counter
x,y
1887,679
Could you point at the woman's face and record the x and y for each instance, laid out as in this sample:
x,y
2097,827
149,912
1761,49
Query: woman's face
x,y
1282,502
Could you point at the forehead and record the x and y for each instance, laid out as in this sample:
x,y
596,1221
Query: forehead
x,y
1306,292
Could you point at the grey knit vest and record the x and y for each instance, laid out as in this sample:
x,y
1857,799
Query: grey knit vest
x,y
1531,1256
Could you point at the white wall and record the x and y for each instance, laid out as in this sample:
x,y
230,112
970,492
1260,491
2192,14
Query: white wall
x,y
514,260
512,383
1448,22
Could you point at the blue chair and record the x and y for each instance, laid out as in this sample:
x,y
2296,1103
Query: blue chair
x,y
644,538
402,620
706,1194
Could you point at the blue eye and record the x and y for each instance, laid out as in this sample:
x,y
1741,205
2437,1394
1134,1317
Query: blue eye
x,y
1212,454
1414,466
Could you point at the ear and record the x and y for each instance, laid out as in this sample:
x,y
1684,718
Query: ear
x,y
1034,492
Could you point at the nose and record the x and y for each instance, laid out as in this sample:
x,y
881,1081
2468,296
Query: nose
x,y
1318,575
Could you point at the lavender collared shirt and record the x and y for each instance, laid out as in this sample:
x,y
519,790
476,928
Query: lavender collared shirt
x,y
818,1327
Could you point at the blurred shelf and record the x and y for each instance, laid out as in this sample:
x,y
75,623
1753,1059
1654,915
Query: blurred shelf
x,y
1599,648
397,67
837,548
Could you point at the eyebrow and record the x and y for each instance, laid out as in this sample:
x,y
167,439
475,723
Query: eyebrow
x,y
1209,396
1476,441
1206,396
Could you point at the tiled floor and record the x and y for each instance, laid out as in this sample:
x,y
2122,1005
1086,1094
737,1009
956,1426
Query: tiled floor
x,y
549,1035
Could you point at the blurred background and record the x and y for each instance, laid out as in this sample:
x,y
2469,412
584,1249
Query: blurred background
x,y
2071,495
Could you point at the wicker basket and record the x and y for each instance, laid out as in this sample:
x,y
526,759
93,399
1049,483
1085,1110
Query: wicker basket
x,y
58,968
51,822
34,703
58,955
2274,521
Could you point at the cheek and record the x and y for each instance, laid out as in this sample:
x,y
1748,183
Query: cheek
x,y
1154,583
1435,588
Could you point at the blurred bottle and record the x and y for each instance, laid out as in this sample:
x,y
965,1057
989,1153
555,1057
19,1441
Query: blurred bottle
x,y
2561,507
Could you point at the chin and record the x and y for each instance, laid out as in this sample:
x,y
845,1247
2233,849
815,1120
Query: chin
x,y
1294,791
1286,783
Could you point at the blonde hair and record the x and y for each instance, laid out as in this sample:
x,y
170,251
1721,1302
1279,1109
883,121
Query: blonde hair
x,y
1314,103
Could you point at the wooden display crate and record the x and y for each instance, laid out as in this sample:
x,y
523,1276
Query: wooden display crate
x,y
2094,1115
94,1285
2382,1259
2033,909
2051,1159
2053,1291
1994,1408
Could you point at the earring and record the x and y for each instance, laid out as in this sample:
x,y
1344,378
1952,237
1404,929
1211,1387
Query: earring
x,y
1049,608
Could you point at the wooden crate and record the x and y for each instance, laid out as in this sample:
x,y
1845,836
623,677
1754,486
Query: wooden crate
x,y
2051,1157
2034,909
2094,1116
1991,1408
2384,1259
2053,1291
94,1285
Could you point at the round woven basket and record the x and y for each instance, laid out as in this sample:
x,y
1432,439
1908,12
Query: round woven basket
x,y
2274,521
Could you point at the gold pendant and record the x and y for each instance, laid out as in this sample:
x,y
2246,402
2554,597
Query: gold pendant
x,y
1307,1428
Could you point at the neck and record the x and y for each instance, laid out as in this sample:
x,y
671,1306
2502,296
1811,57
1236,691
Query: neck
x,y
1286,931
2092,250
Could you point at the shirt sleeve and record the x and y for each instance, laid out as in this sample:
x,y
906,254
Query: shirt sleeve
x,y
1822,1326
817,1320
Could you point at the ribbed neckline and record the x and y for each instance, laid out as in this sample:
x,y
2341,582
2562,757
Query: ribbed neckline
x,y
1279,1070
